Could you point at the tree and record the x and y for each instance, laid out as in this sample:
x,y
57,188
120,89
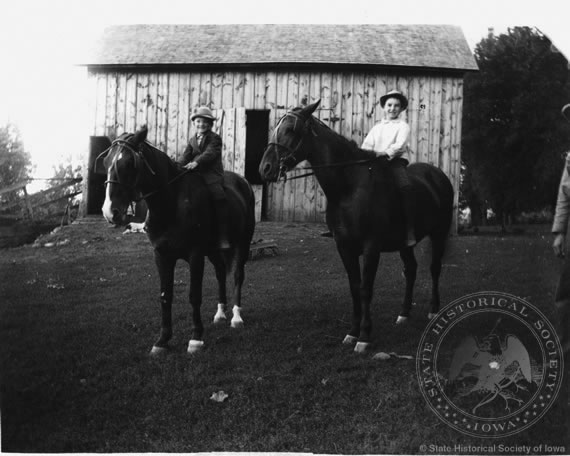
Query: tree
x,y
66,173
60,196
513,134
15,162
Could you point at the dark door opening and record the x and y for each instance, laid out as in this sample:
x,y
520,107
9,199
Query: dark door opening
x,y
256,138
257,134
96,178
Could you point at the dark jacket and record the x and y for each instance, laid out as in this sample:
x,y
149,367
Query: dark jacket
x,y
208,155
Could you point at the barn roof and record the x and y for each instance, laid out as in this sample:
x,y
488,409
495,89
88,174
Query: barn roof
x,y
419,46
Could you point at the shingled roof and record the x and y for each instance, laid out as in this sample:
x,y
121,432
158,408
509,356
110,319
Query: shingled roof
x,y
419,46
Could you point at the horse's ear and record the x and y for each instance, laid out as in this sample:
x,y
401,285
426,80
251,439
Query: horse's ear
x,y
99,165
140,135
309,110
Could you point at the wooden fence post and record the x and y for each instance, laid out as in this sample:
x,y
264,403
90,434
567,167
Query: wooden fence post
x,y
29,207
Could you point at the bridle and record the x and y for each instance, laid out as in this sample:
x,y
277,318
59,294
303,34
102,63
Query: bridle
x,y
140,161
291,152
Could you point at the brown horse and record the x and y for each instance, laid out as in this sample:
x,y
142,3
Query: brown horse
x,y
364,212
180,225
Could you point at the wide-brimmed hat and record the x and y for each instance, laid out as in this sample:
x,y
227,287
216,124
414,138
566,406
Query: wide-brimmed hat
x,y
203,111
566,111
394,94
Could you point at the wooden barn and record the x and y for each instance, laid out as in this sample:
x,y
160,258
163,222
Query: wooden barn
x,y
250,75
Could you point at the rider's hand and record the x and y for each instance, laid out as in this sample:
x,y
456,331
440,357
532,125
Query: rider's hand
x,y
191,165
559,245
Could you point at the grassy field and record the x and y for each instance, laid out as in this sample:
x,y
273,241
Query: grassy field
x,y
78,318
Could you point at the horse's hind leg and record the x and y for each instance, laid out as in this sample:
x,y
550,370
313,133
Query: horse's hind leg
x,y
410,271
237,270
220,268
438,248
196,278
165,266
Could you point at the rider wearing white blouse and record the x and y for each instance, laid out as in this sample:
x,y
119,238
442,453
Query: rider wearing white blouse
x,y
390,137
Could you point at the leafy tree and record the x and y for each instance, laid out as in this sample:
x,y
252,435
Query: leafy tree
x,y
66,170
513,133
67,173
61,188
15,162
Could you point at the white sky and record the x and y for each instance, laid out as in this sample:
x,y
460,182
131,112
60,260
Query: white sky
x,y
42,92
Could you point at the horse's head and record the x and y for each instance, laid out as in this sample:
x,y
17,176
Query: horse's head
x,y
287,146
123,164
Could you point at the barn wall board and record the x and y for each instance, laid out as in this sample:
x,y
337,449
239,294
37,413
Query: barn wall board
x,y
350,105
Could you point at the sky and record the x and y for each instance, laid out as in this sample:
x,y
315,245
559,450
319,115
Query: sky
x,y
43,91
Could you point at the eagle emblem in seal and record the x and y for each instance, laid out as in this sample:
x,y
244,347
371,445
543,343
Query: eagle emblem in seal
x,y
493,368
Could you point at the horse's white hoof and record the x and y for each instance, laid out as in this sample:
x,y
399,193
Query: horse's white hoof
x,y
195,346
220,316
349,340
237,321
218,319
431,315
361,347
401,320
158,350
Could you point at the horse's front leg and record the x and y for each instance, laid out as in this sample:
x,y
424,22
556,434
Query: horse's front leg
x,y
349,257
370,260
165,265
196,278
410,272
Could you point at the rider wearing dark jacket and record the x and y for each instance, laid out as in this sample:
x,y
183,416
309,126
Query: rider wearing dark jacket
x,y
204,154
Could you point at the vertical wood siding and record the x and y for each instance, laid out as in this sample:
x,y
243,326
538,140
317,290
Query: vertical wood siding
x,y
350,105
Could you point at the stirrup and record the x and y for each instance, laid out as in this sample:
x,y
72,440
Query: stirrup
x,y
411,242
224,244
410,237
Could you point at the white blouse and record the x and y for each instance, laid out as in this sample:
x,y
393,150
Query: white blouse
x,y
391,137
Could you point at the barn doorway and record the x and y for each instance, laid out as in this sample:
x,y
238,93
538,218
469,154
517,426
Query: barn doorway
x,y
256,139
96,178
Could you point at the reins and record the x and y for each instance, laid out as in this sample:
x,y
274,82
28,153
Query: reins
x,y
171,181
139,157
291,152
332,165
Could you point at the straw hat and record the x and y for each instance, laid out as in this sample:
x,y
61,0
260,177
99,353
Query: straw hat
x,y
566,112
394,94
205,112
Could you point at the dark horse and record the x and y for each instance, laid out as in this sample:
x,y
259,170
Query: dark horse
x,y
364,212
180,225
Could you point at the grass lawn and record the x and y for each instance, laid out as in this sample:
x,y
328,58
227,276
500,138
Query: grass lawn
x,y
77,321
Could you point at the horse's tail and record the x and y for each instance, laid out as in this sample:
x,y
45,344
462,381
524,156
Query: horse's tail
x,y
250,198
244,192
448,202
437,194
442,231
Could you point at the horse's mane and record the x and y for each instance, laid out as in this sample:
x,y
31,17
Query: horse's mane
x,y
158,154
346,144
148,147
